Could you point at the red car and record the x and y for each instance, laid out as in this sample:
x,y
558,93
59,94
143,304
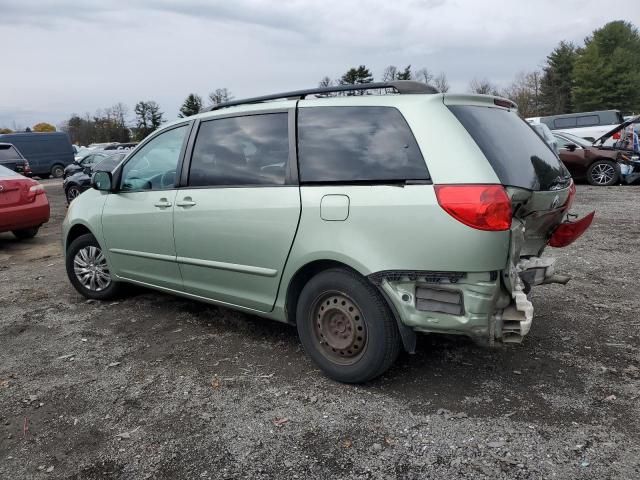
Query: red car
x,y
23,204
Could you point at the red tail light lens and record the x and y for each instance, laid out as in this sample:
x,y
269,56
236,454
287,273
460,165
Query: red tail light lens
x,y
483,207
35,189
569,232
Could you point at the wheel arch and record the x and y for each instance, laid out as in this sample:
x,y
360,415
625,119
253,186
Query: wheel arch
x,y
76,231
300,279
312,268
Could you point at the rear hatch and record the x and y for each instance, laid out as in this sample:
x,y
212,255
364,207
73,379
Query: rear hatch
x,y
536,181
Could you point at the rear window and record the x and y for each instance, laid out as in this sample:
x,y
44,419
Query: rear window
x,y
517,154
346,144
8,152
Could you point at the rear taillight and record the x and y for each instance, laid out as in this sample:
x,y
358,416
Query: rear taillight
x,y
569,232
483,207
34,190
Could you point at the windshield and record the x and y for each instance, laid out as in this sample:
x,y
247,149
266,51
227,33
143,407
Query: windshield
x,y
562,140
9,152
519,156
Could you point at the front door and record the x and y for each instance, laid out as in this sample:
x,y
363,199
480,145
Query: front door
x,y
137,220
236,219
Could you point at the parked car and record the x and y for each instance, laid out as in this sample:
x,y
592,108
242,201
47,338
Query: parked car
x,y
11,158
122,146
48,153
80,180
362,219
542,130
86,161
596,162
23,204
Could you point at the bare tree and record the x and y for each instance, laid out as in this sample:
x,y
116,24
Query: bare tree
x,y
525,92
483,87
390,73
424,75
441,83
220,95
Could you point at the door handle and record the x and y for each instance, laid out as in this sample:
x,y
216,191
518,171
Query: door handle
x,y
162,203
186,202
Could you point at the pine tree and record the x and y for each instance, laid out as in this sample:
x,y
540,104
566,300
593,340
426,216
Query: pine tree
x,y
191,106
355,76
607,70
557,80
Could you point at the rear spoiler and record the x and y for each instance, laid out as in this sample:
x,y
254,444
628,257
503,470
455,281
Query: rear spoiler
x,y
479,100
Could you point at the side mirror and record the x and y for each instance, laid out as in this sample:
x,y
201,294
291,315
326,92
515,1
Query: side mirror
x,y
571,147
102,181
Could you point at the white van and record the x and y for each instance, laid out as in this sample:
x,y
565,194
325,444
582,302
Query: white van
x,y
588,125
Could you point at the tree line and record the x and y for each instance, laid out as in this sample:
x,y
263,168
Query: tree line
x,y
601,74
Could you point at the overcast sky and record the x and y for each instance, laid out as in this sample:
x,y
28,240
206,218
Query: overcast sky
x,y
61,57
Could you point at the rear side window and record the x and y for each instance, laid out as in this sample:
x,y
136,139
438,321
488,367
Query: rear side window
x,y
345,144
588,120
251,150
517,154
564,122
8,152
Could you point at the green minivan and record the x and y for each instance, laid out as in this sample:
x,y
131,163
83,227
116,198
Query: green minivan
x,y
361,218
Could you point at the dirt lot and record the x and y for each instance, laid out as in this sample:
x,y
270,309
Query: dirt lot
x,y
154,386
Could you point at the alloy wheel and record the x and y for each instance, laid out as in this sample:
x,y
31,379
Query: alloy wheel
x,y
91,269
72,193
603,173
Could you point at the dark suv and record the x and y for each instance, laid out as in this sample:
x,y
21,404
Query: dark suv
x,y
11,158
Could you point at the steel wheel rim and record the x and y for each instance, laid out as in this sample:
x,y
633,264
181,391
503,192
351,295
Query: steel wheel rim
x,y
72,193
91,269
57,172
603,173
339,328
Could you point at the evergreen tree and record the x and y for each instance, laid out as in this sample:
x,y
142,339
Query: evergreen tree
x,y
191,106
404,74
607,70
557,80
355,76
148,118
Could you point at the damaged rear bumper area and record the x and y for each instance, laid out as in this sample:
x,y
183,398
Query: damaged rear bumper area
x,y
486,306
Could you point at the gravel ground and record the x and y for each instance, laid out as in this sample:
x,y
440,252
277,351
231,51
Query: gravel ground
x,y
154,386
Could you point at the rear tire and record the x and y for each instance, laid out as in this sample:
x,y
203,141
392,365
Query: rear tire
x,y
346,327
57,171
26,233
88,270
603,173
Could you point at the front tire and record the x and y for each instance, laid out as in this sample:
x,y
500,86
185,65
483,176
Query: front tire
x,y
72,192
346,327
57,171
88,270
603,173
26,233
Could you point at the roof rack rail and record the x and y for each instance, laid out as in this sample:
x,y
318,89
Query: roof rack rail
x,y
401,86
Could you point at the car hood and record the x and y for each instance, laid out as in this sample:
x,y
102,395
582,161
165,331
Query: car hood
x,y
616,129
